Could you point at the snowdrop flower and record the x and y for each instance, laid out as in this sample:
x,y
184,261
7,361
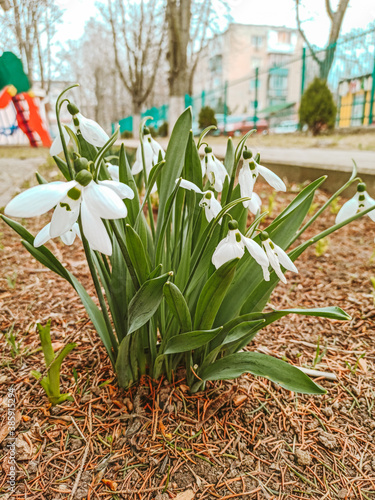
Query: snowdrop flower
x,y
233,246
91,131
114,171
68,238
214,169
210,204
151,149
82,196
276,256
360,201
248,175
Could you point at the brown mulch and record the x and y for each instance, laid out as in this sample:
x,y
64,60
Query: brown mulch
x,y
246,439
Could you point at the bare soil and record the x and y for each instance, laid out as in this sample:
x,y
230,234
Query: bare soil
x,y
246,439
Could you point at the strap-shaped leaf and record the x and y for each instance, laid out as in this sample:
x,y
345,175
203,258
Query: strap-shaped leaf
x,y
213,294
146,301
192,168
62,166
191,340
174,158
178,306
123,368
288,376
137,254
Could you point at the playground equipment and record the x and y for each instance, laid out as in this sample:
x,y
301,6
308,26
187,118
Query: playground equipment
x,y
19,107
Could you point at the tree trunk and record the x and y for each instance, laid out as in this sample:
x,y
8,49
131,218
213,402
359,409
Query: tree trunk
x,y
178,19
136,118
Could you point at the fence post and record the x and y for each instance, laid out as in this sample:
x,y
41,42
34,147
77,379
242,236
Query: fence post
x,y
303,73
225,106
256,97
372,95
203,97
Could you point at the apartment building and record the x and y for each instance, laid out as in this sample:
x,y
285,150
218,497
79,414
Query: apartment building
x,y
228,65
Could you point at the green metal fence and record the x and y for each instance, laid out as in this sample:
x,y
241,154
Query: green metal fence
x,y
268,97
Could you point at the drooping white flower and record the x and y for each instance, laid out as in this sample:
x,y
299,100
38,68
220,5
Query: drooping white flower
x,y
360,201
114,171
276,256
82,196
214,169
151,149
210,204
233,246
247,176
91,131
68,238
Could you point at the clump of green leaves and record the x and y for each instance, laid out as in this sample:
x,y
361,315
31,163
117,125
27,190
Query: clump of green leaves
x,y
51,381
321,247
163,303
317,109
206,117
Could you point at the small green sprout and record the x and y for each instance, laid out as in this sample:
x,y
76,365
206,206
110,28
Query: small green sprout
x,y
51,381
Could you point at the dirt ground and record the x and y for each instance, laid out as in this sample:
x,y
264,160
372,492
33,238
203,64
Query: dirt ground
x,y
246,439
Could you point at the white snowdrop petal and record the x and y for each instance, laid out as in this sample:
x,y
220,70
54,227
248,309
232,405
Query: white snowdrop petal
x,y
104,202
121,189
272,179
43,236
56,146
65,215
189,185
38,199
157,148
369,202
68,237
226,253
347,210
95,231
266,273
113,171
221,169
256,251
284,259
215,207
92,132
246,182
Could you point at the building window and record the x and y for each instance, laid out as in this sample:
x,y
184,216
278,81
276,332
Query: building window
x,y
257,41
283,37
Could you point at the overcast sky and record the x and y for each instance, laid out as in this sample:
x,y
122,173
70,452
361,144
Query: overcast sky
x,y
273,12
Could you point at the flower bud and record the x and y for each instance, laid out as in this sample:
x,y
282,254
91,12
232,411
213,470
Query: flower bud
x,y
80,164
361,187
146,130
72,108
247,154
84,177
263,235
207,150
232,224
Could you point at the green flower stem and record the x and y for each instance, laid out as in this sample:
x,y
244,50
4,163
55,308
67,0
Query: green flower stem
x,y
125,254
353,178
149,205
294,254
58,107
98,288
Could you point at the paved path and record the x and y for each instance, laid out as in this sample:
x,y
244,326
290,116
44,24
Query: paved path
x,y
14,173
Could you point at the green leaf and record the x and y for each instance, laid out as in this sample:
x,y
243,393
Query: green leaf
x,y
190,340
239,331
178,306
229,157
174,158
213,294
62,166
322,312
137,254
146,301
288,376
192,169
123,368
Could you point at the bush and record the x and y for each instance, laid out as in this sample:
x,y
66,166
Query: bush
x,y
163,130
126,134
317,109
206,117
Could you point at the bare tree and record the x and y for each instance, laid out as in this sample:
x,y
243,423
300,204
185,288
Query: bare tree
x,y
29,26
137,36
190,25
336,17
